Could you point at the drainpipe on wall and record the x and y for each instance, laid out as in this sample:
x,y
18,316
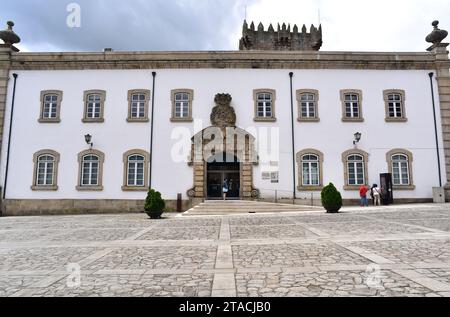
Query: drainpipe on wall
x,y
9,135
291,75
435,129
151,133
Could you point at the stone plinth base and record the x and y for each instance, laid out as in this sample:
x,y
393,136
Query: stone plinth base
x,y
74,207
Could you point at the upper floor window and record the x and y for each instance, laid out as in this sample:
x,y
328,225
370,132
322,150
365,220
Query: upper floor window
x,y
308,105
91,170
50,106
355,166
138,101
182,105
310,169
45,170
395,105
136,170
94,105
351,105
399,162
264,104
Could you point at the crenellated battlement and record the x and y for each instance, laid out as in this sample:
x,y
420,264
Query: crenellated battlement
x,y
281,40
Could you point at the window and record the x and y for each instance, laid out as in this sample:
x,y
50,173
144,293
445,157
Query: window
x,y
399,163
138,101
395,105
264,104
94,105
310,170
89,175
136,170
355,169
307,103
50,106
45,170
182,105
351,105
91,170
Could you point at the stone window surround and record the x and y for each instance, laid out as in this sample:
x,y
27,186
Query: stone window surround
x,y
44,93
146,156
102,94
299,93
101,157
409,155
145,92
36,156
190,93
358,92
255,99
300,155
386,103
345,156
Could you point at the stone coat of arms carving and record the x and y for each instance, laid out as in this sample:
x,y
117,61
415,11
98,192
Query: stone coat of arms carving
x,y
223,115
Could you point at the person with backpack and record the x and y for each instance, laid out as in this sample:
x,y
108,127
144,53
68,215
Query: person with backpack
x,y
376,195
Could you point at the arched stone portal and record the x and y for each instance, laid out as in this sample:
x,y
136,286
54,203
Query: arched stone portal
x,y
223,146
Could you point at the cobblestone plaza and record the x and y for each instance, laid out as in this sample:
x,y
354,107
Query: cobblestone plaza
x,y
391,251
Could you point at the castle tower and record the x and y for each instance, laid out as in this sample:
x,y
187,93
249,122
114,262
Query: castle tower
x,y
283,39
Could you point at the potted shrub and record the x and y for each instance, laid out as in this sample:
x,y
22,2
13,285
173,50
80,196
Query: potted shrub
x,y
331,199
154,204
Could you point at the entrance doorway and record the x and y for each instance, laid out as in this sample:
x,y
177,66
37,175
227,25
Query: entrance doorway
x,y
221,169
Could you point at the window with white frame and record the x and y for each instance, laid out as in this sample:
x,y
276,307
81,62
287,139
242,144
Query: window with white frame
x,y
352,106
355,170
45,170
90,170
400,170
310,170
182,106
94,106
135,176
138,106
264,105
308,106
395,105
50,107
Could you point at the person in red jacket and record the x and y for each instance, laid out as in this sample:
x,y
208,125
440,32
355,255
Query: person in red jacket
x,y
363,195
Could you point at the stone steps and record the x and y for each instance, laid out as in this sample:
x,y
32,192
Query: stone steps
x,y
244,207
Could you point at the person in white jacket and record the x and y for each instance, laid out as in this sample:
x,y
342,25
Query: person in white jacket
x,y
376,195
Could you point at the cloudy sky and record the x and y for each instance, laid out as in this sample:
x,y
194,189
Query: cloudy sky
x,y
354,25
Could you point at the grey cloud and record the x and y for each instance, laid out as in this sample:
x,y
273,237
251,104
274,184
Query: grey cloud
x,y
127,25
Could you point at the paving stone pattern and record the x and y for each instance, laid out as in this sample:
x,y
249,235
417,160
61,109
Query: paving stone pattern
x,y
384,252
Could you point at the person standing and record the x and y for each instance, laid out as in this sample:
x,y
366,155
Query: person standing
x,y
363,195
371,194
225,189
377,195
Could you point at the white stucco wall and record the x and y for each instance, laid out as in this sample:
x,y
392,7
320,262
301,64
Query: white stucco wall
x,y
115,136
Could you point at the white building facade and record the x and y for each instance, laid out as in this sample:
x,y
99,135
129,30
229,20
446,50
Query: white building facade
x,y
297,111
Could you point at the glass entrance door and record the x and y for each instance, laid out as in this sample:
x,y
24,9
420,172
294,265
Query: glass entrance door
x,y
217,174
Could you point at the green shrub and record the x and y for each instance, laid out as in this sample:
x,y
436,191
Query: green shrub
x,y
331,198
154,204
